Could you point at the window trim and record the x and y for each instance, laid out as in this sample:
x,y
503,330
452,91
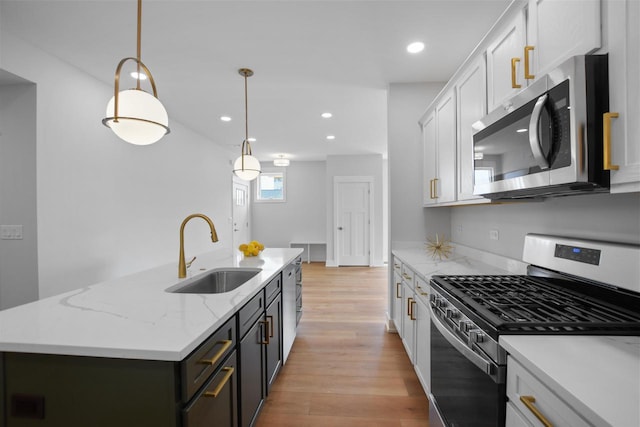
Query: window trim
x,y
256,194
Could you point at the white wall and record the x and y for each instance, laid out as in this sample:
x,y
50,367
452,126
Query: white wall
x,y
302,217
18,258
356,165
409,221
107,208
613,217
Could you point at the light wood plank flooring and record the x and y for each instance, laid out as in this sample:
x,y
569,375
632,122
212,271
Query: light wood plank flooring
x,y
344,369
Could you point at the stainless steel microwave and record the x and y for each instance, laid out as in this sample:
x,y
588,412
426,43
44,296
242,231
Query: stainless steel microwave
x,y
547,140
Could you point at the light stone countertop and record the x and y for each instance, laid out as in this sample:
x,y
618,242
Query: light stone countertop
x,y
133,317
598,376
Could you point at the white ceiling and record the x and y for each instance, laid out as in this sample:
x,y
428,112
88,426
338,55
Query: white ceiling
x,y
308,57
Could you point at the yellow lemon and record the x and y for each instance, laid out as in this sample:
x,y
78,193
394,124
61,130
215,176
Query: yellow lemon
x,y
242,247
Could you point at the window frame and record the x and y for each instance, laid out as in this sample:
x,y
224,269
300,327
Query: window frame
x,y
257,198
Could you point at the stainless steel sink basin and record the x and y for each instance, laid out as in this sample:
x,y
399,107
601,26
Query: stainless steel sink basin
x,y
216,281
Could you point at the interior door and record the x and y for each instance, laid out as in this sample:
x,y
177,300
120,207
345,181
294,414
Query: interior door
x,y
353,223
240,212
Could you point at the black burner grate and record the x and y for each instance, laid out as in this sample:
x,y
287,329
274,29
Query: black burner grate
x,y
524,304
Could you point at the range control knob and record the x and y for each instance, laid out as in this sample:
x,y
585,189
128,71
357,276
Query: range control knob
x,y
452,313
441,302
466,326
476,336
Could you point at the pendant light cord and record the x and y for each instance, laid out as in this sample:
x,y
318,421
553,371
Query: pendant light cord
x,y
246,115
139,47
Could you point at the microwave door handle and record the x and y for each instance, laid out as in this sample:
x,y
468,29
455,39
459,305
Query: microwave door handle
x,y
534,138
460,346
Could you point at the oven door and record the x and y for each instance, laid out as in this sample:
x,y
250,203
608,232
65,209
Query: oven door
x,y
467,387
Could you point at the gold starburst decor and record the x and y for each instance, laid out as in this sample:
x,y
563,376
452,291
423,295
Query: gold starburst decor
x,y
440,247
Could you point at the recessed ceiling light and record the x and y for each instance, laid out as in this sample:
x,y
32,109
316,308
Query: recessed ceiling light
x,y
225,118
415,47
134,74
327,115
331,137
251,140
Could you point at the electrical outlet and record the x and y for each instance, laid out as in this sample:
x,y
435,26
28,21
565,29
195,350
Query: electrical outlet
x,y
494,235
11,232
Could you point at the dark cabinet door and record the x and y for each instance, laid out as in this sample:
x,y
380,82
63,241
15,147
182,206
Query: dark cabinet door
x,y
217,403
274,347
252,372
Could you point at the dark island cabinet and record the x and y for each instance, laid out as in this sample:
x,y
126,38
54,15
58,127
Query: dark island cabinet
x,y
222,383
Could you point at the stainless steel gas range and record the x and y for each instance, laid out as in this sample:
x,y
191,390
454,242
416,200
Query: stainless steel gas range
x,y
572,286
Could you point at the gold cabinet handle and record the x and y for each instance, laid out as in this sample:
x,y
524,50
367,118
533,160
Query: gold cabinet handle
x,y
398,290
606,138
409,306
527,64
267,339
514,83
270,320
431,189
225,345
422,292
435,188
529,402
225,380
412,313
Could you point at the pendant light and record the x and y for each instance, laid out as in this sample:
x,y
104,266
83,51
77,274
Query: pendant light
x,y
133,114
246,166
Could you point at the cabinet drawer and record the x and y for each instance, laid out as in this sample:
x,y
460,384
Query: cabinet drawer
x,y
397,265
522,385
248,314
217,402
422,286
273,289
204,360
407,274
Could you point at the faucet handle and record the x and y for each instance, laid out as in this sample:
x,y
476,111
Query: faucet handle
x,y
190,262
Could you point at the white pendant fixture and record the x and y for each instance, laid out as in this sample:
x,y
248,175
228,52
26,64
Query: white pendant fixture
x,y
136,116
246,166
281,161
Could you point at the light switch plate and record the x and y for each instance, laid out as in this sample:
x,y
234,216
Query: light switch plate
x,y
11,232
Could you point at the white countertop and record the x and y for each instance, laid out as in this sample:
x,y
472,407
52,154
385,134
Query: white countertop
x,y
598,376
462,261
133,317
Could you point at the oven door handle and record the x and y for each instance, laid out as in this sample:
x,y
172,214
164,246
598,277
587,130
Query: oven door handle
x,y
534,137
461,346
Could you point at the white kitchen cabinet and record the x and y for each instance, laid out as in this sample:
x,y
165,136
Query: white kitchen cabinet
x,y
536,40
422,356
531,401
560,29
408,320
397,301
624,93
439,139
471,95
505,67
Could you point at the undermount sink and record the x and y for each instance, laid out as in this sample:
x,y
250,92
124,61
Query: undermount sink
x,y
216,281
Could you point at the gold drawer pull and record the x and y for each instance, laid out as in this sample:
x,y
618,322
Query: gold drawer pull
x,y
529,402
527,75
398,290
412,313
606,138
409,306
225,345
224,382
270,320
514,83
266,331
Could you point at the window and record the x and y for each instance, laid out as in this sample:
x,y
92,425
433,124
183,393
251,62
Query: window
x,y
270,187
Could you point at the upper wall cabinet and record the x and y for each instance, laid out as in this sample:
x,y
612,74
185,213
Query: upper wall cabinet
x,y
504,61
537,39
471,96
439,139
624,93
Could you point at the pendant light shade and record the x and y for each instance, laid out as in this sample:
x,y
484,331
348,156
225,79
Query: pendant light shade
x,y
246,166
134,115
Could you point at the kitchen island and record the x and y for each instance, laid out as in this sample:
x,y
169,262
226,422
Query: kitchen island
x,y
121,352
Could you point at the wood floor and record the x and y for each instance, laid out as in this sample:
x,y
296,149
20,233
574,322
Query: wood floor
x,y
344,369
